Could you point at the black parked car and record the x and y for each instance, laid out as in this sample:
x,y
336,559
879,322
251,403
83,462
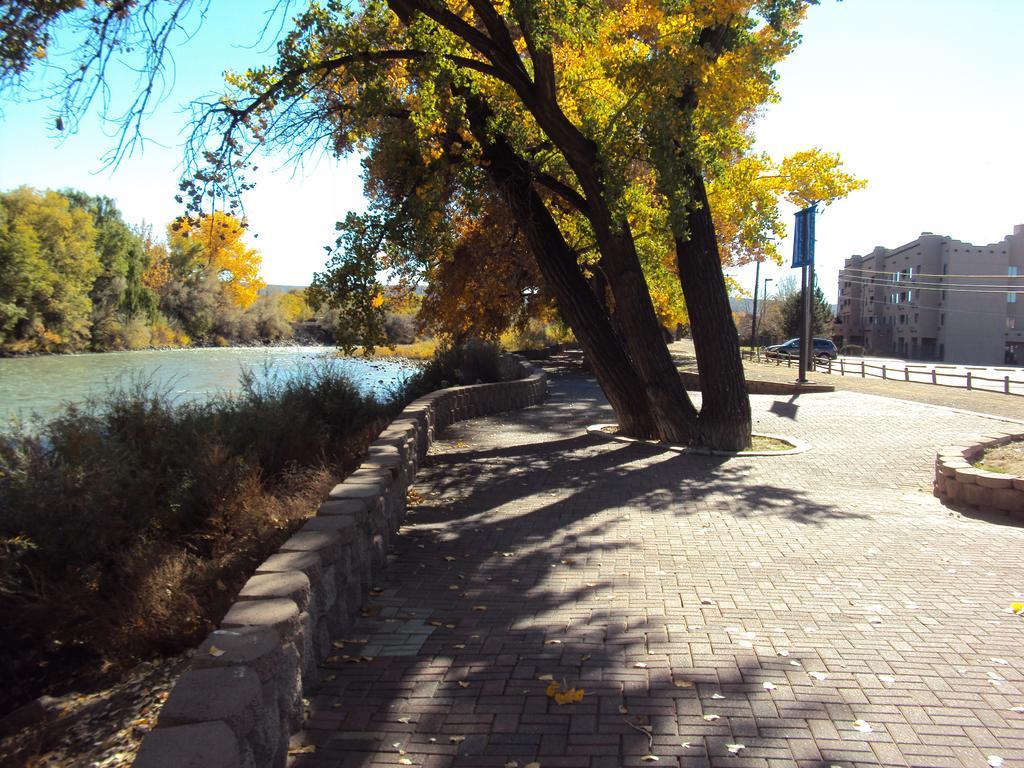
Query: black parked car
x,y
823,350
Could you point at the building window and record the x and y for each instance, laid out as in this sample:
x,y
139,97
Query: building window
x,y
1011,323
1011,298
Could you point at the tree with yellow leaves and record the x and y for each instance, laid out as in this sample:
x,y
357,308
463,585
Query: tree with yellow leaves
x,y
609,130
601,126
211,248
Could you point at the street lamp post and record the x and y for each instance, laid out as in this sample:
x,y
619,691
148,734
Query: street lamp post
x,y
753,319
753,316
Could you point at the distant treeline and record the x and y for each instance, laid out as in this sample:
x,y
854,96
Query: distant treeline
x,y
75,277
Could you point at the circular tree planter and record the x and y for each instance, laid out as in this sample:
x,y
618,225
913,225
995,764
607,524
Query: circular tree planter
x,y
959,482
610,431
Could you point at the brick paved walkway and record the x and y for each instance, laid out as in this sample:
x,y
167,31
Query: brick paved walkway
x,y
701,603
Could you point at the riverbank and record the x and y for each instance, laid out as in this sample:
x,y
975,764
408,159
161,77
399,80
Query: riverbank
x,y
42,386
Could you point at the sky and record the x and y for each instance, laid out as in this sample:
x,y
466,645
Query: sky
x,y
923,98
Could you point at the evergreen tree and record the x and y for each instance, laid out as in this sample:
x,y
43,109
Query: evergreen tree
x,y
821,314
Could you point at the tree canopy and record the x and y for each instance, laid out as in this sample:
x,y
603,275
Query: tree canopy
x,y
617,137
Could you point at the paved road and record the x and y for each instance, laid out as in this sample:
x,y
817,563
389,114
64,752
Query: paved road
x,y
700,603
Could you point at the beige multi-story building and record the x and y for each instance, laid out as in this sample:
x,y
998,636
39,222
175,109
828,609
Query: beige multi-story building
x,y
936,299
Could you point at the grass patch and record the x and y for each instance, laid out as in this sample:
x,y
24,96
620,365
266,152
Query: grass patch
x,y
769,444
1006,459
417,350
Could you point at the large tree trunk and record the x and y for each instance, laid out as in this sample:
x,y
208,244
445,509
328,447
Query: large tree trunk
x,y
560,268
674,414
725,410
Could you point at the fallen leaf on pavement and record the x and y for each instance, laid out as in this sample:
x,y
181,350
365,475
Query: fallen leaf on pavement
x,y
735,748
215,651
863,726
712,718
768,686
818,675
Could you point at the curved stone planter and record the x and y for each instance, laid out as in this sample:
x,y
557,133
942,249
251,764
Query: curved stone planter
x,y
957,481
691,380
242,697
799,446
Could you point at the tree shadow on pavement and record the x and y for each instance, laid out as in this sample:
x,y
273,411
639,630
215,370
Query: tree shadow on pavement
x,y
586,564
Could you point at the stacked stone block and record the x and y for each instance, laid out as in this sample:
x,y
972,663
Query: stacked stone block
x,y
958,481
243,695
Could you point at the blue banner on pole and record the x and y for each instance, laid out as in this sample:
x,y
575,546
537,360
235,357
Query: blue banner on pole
x,y
803,241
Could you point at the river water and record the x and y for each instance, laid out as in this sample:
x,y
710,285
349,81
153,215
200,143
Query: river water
x,y
43,385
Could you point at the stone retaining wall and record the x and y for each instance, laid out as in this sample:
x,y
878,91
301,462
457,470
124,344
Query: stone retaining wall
x,y
242,696
691,380
957,481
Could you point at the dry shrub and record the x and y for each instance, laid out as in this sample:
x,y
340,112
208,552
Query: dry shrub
x,y
128,525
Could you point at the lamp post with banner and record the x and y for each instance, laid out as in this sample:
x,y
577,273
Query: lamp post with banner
x,y
803,257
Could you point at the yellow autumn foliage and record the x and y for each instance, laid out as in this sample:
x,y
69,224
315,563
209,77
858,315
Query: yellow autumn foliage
x,y
567,696
214,243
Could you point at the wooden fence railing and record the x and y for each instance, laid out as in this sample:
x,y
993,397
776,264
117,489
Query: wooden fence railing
x,y
906,372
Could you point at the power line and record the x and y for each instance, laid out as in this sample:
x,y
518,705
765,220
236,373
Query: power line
x,y
926,283
923,274
922,308
952,287
855,280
